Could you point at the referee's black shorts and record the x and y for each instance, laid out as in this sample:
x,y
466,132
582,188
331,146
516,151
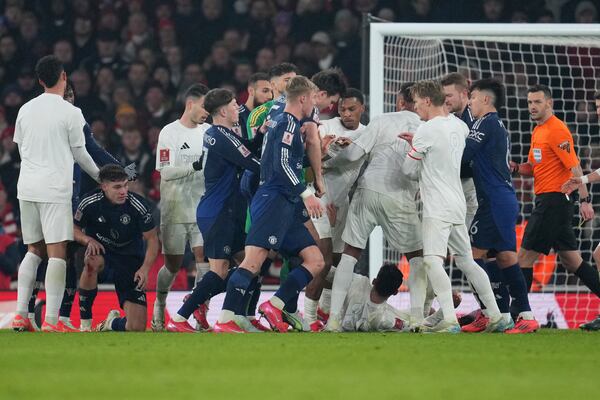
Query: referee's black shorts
x,y
550,225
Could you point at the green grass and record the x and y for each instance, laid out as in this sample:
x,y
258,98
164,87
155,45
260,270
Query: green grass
x,y
546,365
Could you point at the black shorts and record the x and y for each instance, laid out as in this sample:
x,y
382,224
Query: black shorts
x,y
550,225
124,268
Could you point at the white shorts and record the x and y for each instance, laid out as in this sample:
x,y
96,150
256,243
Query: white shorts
x,y
470,193
50,222
325,230
439,236
369,209
175,236
322,224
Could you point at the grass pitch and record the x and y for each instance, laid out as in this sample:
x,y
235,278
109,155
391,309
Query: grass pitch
x,y
546,365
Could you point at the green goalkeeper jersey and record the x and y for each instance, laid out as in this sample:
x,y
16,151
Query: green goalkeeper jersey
x,y
257,117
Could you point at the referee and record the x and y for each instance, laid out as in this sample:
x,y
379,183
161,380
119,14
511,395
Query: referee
x,y
551,162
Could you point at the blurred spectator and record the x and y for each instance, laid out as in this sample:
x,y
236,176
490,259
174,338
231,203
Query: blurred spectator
x,y
147,55
8,218
107,55
546,16
156,105
133,151
347,43
30,39
85,98
137,78
210,27
311,17
174,59
58,21
83,39
100,131
258,24
12,100
218,65
586,13
236,42
282,27
283,53
125,120
63,50
265,59
27,83
519,16
162,75
9,58
9,163
138,35
105,85
323,51
167,36
494,11
243,70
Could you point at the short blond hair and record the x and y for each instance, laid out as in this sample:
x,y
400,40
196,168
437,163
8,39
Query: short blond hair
x,y
299,86
429,89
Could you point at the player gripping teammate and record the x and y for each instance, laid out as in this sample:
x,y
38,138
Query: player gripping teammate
x,y
222,210
434,159
493,227
552,161
179,161
259,93
277,200
113,224
49,136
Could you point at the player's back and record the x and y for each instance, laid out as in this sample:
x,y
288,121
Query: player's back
x,y
489,145
387,153
442,141
46,129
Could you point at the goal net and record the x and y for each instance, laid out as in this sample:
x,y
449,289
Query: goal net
x,y
564,57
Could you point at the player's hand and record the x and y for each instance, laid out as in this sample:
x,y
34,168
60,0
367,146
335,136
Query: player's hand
x,y
141,278
514,168
326,142
197,165
263,128
313,206
331,213
408,136
343,141
319,185
571,185
586,211
94,248
131,172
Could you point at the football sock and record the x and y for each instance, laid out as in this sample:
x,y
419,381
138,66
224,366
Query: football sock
x,y
292,305
590,277
417,283
86,302
26,282
291,288
341,283
118,324
515,282
528,274
480,282
325,300
55,288
499,285
310,309
201,270
253,303
70,289
245,304
434,266
164,280
210,285
238,284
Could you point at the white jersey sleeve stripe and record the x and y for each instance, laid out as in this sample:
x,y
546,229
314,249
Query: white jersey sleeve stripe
x,y
286,167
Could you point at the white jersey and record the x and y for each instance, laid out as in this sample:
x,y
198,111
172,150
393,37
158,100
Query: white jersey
x,y
386,155
339,181
46,129
441,142
181,187
361,314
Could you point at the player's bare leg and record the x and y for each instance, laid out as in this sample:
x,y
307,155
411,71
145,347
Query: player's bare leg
x,y
136,315
526,260
315,287
36,252
88,289
55,282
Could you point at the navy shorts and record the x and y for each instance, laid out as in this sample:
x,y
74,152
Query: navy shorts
x,y
124,268
493,227
224,235
277,224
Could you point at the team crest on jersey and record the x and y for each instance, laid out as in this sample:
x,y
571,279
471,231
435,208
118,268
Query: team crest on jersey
x,y
165,155
125,219
78,215
287,138
566,146
227,250
244,150
272,240
114,234
537,155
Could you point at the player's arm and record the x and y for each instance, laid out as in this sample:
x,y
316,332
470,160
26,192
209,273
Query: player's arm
x,y
100,156
165,163
473,144
349,154
92,246
418,147
77,143
234,151
152,246
313,151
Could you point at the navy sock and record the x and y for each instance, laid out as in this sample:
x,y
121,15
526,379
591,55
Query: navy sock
x,y
589,276
237,286
253,303
515,281
296,281
244,306
292,305
86,302
118,324
209,286
500,290
70,288
528,274
264,268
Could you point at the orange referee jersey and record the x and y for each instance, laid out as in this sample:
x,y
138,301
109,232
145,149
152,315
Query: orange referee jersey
x,y
552,155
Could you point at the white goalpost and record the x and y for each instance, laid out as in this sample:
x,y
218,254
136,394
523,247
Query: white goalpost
x,y
566,57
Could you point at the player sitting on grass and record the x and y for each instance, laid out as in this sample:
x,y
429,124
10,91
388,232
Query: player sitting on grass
x,y
116,224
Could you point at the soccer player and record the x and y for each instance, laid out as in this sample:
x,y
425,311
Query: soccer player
x,y
384,197
456,90
221,212
338,182
49,136
259,93
113,224
277,200
434,159
551,162
493,227
179,161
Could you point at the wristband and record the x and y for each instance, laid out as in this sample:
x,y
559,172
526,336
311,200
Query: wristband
x,y
585,179
306,194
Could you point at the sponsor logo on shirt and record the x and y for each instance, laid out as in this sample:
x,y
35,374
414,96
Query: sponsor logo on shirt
x,y
210,141
566,146
287,138
476,136
164,155
537,155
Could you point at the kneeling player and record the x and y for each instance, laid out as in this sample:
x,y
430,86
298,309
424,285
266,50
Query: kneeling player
x,y
116,223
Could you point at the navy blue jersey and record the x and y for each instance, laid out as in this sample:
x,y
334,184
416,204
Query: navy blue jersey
x,y
118,227
467,117
488,149
244,113
226,155
279,105
100,156
283,153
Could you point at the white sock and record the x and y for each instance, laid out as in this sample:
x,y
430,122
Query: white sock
x,y
64,319
331,274
417,283
325,301
178,318
429,297
527,315
442,287
26,282
164,280
55,288
201,269
277,302
341,283
225,316
310,310
481,283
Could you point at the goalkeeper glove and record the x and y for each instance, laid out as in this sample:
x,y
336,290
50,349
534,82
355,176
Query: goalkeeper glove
x,y
197,165
131,172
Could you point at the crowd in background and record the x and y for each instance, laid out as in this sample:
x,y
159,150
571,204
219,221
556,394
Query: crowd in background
x,y
130,61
